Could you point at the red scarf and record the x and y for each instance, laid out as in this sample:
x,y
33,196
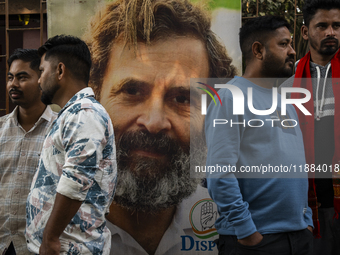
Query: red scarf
x,y
307,127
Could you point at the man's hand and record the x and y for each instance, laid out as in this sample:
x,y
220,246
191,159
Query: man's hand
x,y
310,229
251,240
62,213
49,247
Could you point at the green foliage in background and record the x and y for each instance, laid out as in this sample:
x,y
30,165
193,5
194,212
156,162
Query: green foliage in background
x,y
215,4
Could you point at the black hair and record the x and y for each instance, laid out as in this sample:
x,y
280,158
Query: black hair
x,y
26,55
72,52
312,6
258,29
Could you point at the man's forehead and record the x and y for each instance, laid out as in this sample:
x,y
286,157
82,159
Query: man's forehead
x,y
281,33
20,66
162,47
173,60
43,60
50,58
159,84
324,15
50,61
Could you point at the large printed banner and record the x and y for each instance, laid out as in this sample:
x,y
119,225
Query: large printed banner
x,y
71,17
141,75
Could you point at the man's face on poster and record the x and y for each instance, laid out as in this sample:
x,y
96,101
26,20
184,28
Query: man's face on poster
x,y
147,94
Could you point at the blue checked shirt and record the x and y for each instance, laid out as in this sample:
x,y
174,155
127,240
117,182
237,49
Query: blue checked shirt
x,y
78,161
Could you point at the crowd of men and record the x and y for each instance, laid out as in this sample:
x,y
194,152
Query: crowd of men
x,y
110,172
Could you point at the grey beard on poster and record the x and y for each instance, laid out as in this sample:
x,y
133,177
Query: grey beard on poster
x,y
151,185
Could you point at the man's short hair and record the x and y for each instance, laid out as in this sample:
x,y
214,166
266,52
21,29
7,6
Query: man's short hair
x,y
143,21
26,55
72,52
312,6
259,29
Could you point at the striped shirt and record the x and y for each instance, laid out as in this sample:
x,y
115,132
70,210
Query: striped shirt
x,y
19,155
78,161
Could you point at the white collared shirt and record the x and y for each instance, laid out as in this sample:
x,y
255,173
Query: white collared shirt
x,y
179,238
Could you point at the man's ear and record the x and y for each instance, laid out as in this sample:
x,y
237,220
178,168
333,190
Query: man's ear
x,y
258,50
304,32
61,70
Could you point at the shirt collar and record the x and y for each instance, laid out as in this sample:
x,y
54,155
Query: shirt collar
x,y
178,227
85,92
314,65
181,217
47,115
14,115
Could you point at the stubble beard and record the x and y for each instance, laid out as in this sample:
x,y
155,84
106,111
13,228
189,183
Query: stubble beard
x,y
48,94
151,184
326,50
270,69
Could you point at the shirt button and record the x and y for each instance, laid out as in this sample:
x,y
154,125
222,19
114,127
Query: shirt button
x,y
16,192
23,153
14,213
13,232
19,173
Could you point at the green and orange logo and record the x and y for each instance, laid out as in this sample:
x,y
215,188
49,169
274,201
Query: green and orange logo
x,y
208,92
202,218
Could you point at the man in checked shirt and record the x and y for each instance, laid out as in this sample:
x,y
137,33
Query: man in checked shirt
x,y
22,133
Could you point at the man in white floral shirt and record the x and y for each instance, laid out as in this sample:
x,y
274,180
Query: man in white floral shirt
x,y
75,181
